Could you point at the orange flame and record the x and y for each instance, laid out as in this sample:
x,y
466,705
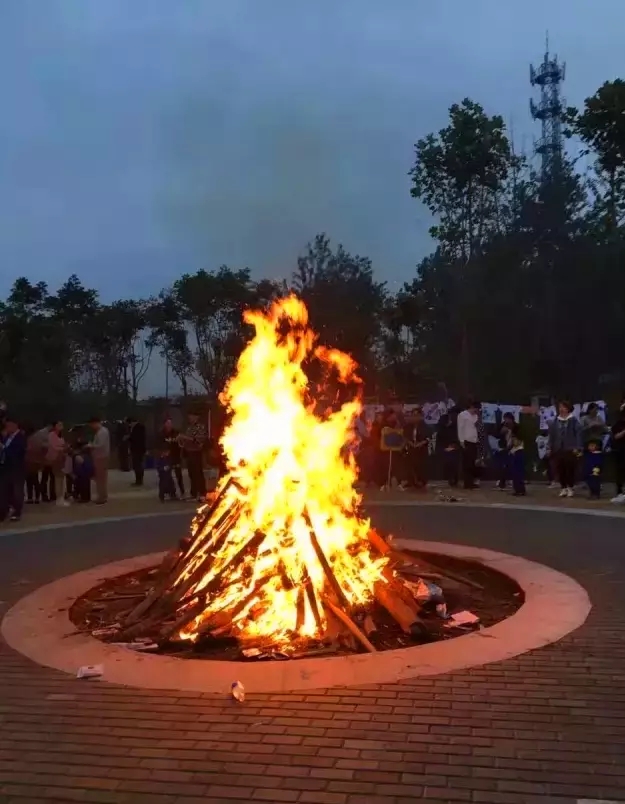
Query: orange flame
x,y
293,476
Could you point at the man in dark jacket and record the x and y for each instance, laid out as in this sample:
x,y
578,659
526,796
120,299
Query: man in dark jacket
x,y
137,447
12,469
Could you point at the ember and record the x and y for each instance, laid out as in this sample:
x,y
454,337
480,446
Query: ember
x,y
282,558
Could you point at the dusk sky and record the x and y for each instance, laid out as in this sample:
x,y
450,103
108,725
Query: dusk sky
x,y
143,138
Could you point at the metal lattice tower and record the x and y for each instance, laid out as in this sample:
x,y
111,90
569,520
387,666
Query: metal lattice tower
x,y
549,110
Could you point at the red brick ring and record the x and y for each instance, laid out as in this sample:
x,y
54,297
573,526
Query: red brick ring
x,y
38,627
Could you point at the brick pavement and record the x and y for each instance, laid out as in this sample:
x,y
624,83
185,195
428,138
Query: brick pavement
x,y
548,726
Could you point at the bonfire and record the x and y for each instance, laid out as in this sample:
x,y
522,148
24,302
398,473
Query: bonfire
x,y
282,555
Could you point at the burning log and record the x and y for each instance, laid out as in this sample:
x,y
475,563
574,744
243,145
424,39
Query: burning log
x,y
334,584
402,613
350,625
190,614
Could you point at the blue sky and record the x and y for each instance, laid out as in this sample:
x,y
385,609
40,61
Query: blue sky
x,y
143,138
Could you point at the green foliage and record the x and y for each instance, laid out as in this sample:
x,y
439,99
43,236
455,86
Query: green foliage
x,y
344,300
601,127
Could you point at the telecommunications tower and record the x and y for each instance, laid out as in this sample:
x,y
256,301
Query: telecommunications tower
x,y
548,76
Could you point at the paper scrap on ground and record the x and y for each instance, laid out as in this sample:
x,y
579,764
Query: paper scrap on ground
x,y
464,618
90,671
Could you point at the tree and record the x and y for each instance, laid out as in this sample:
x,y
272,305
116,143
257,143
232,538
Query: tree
x,y
601,127
464,176
73,307
33,354
211,306
344,300
169,335
461,176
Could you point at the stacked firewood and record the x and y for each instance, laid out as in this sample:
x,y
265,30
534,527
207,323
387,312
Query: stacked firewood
x,y
159,612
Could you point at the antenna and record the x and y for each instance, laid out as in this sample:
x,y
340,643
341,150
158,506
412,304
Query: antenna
x,y
548,77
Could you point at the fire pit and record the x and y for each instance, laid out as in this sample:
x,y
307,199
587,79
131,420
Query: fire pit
x,y
475,596
282,561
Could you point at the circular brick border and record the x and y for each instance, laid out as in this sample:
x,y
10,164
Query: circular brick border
x,y
38,626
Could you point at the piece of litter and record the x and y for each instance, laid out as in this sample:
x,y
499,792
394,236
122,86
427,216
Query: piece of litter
x,y
238,691
90,671
464,618
251,653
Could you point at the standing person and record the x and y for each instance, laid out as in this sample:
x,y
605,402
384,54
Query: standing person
x,y
544,462
517,464
169,461
593,466
123,453
482,448
468,439
378,463
617,443
565,444
12,469
33,466
82,465
193,441
137,446
417,439
504,436
55,463
39,445
449,446
100,449
593,426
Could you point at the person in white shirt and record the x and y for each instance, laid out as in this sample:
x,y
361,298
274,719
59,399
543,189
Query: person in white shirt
x,y
100,451
468,438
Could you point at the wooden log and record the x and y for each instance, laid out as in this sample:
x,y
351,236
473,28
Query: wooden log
x,y
368,626
232,613
426,568
178,592
312,602
331,577
333,629
349,624
286,581
300,609
184,619
397,587
209,513
453,576
378,542
403,614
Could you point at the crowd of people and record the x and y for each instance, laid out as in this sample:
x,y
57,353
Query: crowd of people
x,y
55,466
62,466
462,447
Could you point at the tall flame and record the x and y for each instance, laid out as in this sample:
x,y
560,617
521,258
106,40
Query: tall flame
x,y
294,489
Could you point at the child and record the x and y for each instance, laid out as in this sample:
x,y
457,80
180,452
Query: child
x,y
82,472
164,468
593,464
517,465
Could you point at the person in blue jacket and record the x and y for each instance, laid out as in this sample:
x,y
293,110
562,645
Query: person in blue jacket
x,y
12,469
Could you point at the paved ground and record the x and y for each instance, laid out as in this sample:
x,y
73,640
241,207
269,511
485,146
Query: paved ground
x,y
546,727
128,501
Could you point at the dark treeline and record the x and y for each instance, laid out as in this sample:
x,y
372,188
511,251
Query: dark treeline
x,y
524,293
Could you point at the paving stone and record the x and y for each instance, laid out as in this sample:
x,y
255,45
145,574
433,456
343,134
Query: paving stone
x,y
545,727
